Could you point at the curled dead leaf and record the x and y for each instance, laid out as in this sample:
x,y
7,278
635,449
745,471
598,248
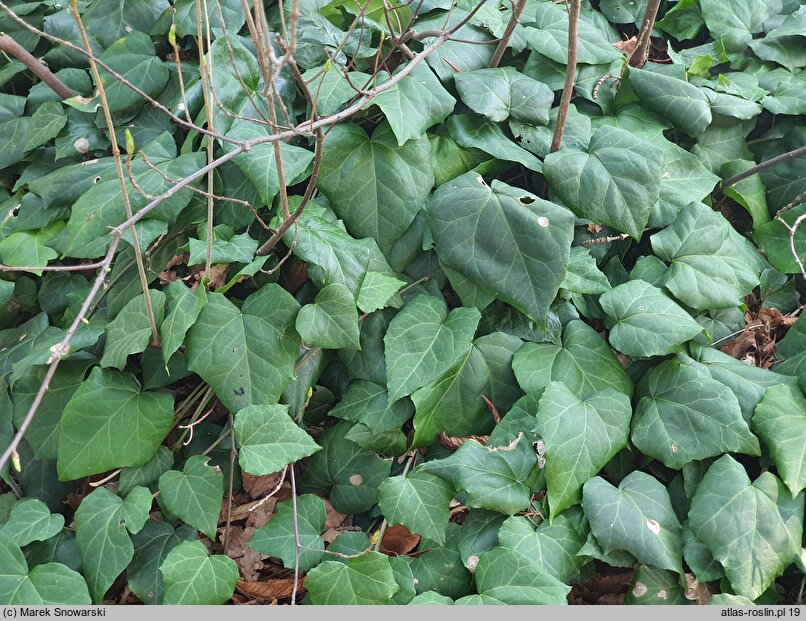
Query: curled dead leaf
x,y
270,590
397,540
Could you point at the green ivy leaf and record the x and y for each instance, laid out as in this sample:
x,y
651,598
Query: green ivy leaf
x,y
277,537
353,474
182,309
583,276
423,341
102,522
109,423
504,92
134,58
614,181
773,239
46,584
683,415
28,249
374,185
485,369
195,494
734,21
31,520
475,132
247,355
185,15
419,502
193,577
331,322
780,420
753,529
525,263
414,104
656,587
645,321
682,103
269,439
552,546
46,123
259,164
492,477
505,576
580,437
367,579
637,517
705,272
584,363
151,546
130,332
376,291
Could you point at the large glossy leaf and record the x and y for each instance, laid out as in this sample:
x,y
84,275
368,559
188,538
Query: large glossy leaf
x,y
110,21
423,341
584,364
28,249
645,321
194,577
277,537
780,420
580,438
704,270
475,132
637,517
502,93
753,529
351,473
151,546
194,495
109,423
45,584
269,439
414,104
247,355
134,58
683,415
31,520
505,576
521,243
453,402
374,185
130,332
186,16
552,546
259,164
614,181
493,477
102,521
182,308
735,21
419,502
367,579
331,322
547,32
683,104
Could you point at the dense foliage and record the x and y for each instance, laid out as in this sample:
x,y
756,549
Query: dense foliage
x,y
302,302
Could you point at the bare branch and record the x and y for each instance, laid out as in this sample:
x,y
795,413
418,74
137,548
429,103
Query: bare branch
x,y
641,52
570,75
504,42
780,159
10,46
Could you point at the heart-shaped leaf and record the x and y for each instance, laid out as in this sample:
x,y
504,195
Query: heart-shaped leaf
x,y
419,502
331,322
31,520
269,440
193,577
277,537
194,495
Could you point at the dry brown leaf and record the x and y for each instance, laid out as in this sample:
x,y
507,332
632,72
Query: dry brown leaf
x,y
218,275
628,46
398,540
259,486
248,560
696,592
256,516
611,599
334,518
594,229
270,590
454,442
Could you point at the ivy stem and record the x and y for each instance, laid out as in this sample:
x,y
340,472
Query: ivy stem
x,y
517,9
641,52
296,533
570,75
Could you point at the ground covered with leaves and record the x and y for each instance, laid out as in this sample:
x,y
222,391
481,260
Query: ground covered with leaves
x,y
358,302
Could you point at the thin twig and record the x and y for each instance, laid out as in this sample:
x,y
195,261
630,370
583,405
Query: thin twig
x,y
296,534
779,159
570,75
641,52
504,42
233,457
